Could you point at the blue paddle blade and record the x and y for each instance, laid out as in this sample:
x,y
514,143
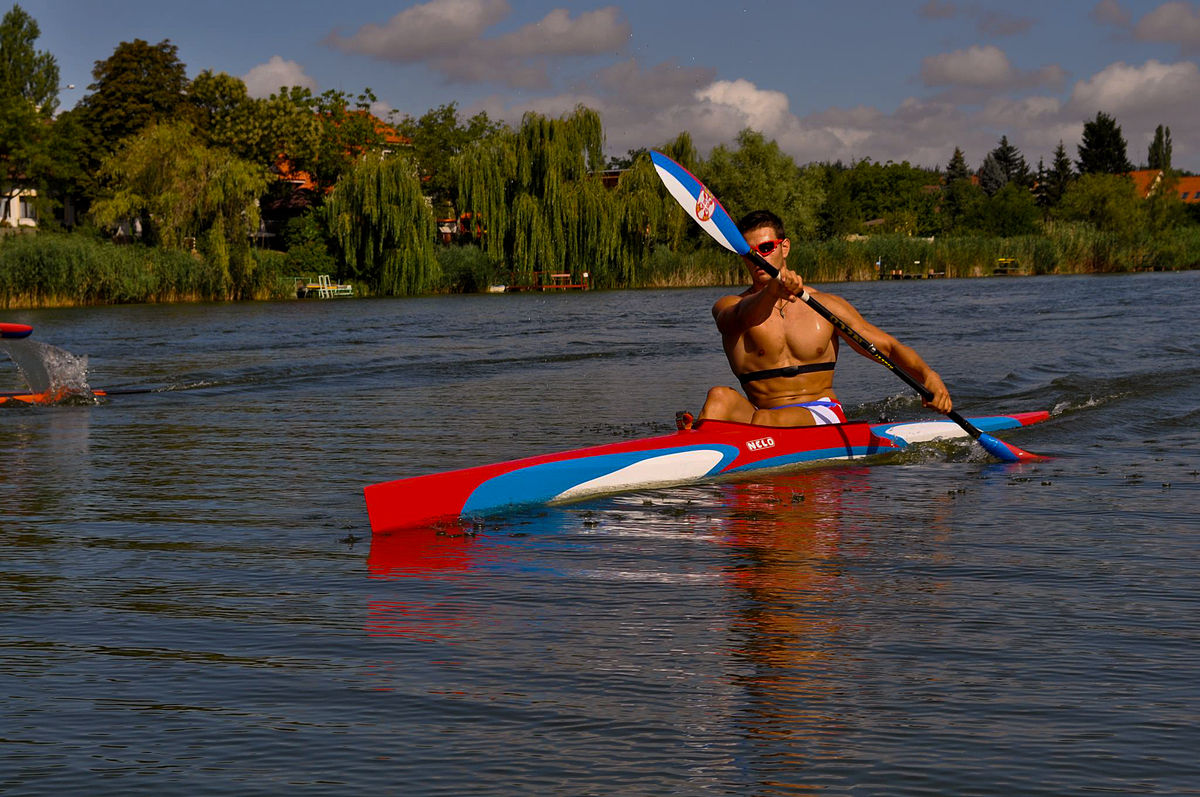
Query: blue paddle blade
x,y
1004,451
699,203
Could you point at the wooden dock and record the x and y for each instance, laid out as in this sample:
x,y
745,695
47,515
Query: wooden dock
x,y
553,281
323,288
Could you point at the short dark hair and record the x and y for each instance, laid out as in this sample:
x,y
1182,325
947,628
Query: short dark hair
x,y
761,218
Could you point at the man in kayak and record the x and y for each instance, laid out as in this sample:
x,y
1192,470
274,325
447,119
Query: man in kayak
x,y
782,352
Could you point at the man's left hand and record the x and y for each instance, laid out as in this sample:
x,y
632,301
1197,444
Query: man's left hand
x,y
941,396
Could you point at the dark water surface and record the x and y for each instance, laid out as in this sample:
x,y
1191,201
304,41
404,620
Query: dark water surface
x,y
191,601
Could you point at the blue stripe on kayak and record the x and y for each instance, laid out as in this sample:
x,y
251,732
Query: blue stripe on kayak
x,y
540,483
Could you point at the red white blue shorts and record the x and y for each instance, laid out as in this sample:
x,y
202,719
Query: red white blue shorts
x,y
825,411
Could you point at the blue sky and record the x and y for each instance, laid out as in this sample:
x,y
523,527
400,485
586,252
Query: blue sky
x,y
844,79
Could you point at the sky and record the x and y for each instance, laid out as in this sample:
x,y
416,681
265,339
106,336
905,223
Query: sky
x,y
899,80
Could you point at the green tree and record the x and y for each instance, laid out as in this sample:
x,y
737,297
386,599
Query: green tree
x,y
991,175
678,229
28,99
627,160
1053,182
536,192
902,196
838,215
26,73
961,198
137,85
348,130
184,194
258,130
1108,202
957,168
308,242
682,150
1009,212
758,175
1159,156
438,137
1103,149
1164,209
383,226
1003,165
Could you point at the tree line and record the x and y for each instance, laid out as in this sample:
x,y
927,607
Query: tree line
x,y
196,167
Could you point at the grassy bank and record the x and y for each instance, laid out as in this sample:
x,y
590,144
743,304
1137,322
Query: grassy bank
x,y
49,269
54,270
1063,249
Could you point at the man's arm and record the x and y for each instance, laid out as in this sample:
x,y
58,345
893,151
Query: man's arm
x,y
904,356
736,314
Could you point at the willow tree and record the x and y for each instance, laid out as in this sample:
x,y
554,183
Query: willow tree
x,y
537,196
677,225
384,226
646,216
185,195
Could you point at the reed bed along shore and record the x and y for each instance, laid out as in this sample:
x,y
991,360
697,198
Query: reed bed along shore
x,y
56,270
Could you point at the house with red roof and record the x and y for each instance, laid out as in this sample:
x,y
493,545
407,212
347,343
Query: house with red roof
x,y
1147,181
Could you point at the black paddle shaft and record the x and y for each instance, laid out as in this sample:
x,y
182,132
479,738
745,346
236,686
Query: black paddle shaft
x,y
850,334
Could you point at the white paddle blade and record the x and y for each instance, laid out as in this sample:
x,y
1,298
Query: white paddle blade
x,y
699,203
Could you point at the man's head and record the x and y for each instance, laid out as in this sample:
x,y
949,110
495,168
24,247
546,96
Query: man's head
x,y
762,218
764,232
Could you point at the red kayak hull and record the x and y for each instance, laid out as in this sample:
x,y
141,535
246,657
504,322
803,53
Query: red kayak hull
x,y
711,450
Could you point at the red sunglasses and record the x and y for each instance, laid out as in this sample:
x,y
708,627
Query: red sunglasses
x,y
765,248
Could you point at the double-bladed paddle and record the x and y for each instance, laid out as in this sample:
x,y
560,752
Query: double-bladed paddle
x,y
703,207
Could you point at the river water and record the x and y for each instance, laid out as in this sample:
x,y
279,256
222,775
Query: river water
x,y
192,602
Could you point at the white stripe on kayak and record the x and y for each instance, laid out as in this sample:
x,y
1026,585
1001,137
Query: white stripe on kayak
x,y
665,469
923,431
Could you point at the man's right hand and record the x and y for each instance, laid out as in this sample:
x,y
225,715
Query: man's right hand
x,y
789,284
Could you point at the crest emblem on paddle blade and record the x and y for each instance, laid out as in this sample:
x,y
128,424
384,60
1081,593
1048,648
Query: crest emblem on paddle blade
x,y
705,204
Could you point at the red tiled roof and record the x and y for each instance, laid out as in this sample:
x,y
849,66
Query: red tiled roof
x,y
1144,180
1189,189
1147,180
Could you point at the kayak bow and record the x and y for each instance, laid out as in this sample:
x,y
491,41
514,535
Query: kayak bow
x,y
711,450
15,330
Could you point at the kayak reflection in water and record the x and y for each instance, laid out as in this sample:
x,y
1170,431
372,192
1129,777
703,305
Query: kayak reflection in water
x,y
783,352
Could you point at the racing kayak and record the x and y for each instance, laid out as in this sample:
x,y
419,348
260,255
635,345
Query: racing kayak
x,y
15,330
709,451
56,396
48,397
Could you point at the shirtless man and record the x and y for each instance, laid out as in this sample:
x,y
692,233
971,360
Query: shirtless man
x,y
783,353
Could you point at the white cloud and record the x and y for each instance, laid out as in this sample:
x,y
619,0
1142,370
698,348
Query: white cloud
x,y
967,98
761,109
266,79
1154,86
1171,23
449,36
984,67
977,66
425,30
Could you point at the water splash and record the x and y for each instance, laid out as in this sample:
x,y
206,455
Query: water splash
x,y
49,370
